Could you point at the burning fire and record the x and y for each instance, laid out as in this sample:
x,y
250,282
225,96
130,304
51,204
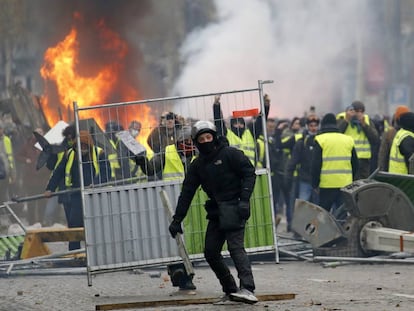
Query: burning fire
x,y
94,79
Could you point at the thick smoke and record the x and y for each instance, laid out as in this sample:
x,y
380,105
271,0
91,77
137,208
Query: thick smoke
x,y
306,47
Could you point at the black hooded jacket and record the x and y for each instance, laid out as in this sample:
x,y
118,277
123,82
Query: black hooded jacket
x,y
225,174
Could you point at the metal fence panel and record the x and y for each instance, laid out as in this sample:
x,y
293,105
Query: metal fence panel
x,y
125,221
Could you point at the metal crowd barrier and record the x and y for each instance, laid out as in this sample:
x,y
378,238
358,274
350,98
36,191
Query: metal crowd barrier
x,y
126,225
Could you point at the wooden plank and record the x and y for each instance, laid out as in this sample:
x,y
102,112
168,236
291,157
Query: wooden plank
x,y
34,243
161,301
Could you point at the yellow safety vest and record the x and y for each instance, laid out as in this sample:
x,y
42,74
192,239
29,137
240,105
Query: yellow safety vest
x,y
396,163
71,157
173,168
244,143
336,169
9,151
362,146
113,159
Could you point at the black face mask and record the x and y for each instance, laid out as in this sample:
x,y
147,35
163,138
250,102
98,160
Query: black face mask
x,y
206,148
238,131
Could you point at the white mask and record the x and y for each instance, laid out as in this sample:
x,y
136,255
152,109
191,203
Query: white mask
x,y
134,133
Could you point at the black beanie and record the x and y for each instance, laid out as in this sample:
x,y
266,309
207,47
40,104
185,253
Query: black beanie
x,y
328,120
407,121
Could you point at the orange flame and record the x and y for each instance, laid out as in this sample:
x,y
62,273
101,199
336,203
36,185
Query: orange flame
x,y
90,82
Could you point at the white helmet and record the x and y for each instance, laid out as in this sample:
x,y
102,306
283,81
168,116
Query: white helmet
x,y
201,127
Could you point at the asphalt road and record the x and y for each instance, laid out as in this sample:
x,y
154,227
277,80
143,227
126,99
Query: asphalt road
x,y
359,287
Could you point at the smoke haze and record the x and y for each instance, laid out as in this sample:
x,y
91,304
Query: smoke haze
x,y
304,46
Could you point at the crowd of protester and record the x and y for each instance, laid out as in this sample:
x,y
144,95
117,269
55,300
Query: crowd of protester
x,y
302,155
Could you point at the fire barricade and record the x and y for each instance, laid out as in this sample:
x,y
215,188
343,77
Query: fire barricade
x,y
126,225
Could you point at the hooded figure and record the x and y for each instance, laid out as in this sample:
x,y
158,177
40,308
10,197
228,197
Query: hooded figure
x,y
237,125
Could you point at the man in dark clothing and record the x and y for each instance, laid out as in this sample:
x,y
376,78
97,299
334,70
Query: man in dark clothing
x,y
96,169
334,163
301,154
226,175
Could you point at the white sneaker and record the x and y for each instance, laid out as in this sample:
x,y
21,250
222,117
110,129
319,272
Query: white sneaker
x,y
244,295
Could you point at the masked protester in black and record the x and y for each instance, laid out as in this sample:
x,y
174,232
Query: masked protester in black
x,y
225,174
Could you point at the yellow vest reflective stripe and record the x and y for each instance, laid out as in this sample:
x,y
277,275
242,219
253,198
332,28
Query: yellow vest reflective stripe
x,y
69,164
9,150
261,152
173,168
59,158
386,126
362,146
113,159
336,169
397,163
244,143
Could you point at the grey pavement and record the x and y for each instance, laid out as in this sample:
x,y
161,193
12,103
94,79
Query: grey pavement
x,y
359,287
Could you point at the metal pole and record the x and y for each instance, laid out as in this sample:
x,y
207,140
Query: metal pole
x,y
178,238
268,172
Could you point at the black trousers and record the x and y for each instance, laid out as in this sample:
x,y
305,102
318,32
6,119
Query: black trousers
x,y
74,215
330,198
214,241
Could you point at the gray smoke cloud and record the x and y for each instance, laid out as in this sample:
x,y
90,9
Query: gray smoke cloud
x,y
306,47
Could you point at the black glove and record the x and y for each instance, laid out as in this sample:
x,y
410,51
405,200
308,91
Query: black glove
x,y
175,227
244,209
140,159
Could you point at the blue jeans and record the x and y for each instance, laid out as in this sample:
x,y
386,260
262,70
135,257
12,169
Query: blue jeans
x,y
306,192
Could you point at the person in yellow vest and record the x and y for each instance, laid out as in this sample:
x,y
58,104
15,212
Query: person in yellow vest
x,y
402,148
130,171
111,128
240,135
334,163
165,133
173,163
95,168
8,164
388,137
358,125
